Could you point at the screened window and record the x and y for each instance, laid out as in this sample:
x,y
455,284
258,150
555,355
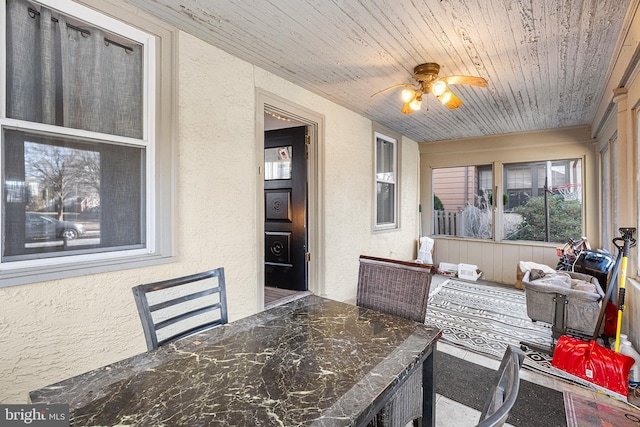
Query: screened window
x,y
637,112
76,144
613,186
462,201
605,198
543,201
386,161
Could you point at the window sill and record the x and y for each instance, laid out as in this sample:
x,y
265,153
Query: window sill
x,y
23,276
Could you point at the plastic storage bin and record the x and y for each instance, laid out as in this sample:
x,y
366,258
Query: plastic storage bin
x,y
468,272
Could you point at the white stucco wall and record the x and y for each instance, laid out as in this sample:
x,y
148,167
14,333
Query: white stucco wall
x,y
348,198
52,330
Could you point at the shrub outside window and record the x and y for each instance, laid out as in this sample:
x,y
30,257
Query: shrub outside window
x,y
77,137
462,198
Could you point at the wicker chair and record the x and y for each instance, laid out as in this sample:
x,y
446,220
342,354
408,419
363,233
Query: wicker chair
x,y
402,289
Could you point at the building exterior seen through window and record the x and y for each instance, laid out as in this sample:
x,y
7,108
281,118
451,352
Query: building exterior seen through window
x,y
541,201
462,201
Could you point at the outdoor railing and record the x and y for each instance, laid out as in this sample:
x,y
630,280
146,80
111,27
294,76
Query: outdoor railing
x,y
447,223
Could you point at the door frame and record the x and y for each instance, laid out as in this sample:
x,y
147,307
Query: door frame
x,y
315,173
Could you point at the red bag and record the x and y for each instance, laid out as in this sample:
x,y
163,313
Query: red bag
x,y
593,363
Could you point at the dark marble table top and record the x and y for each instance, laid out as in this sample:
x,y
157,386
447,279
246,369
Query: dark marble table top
x,y
313,361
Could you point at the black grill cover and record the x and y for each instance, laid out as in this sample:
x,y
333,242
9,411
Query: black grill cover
x,y
595,263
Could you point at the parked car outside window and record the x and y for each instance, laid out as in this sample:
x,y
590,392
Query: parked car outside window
x,y
44,227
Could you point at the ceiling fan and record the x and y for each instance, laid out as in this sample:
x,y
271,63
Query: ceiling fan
x,y
428,82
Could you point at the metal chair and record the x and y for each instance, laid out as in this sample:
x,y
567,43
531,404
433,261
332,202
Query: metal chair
x,y
175,308
399,288
504,395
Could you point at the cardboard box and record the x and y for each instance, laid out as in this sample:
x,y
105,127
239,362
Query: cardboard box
x,y
468,272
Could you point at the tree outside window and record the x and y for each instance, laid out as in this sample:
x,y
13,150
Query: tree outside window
x,y
62,179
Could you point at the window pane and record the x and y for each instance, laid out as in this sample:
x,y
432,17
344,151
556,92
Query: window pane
x,y
462,201
385,200
67,195
277,163
385,180
605,185
527,210
613,196
64,72
385,168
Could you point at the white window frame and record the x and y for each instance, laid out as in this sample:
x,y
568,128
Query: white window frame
x,y
466,195
548,162
636,136
159,195
393,179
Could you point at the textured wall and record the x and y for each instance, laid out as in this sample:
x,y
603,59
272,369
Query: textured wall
x,y
348,190
52,330
497,261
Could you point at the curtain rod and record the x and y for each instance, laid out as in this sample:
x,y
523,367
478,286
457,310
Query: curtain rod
x,y
85,33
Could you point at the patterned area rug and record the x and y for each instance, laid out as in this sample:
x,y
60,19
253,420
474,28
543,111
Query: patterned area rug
x,y
485,318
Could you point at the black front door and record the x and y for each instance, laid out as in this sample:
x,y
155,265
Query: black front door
x,y
285,198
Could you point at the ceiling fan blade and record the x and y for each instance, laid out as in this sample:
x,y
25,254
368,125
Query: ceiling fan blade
x,y
449,99
464,80
393,87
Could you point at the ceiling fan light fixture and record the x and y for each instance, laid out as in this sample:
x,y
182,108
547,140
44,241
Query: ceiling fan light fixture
x,y
408,95
438,88
416,104
449,99
426,77
445,97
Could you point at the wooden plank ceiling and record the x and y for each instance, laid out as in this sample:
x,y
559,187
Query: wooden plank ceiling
x,y
545,60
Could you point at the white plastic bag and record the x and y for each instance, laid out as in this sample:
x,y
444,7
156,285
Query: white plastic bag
x,y
425,251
